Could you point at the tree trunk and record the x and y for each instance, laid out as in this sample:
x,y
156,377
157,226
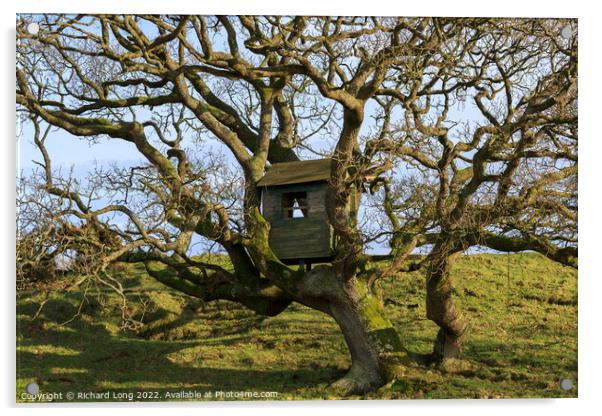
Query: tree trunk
x,y
369,335
365,373
441,309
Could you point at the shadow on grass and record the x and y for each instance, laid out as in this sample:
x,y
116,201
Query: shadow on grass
x,y
85,356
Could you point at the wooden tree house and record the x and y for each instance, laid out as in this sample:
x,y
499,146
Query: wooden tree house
x,y
294,202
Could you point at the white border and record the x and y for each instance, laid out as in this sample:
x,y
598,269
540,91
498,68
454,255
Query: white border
x,y
590,202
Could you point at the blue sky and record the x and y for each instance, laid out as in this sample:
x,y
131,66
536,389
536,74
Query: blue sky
x,y
83,155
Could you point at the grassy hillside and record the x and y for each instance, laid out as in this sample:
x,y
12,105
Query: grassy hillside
x,y
522,311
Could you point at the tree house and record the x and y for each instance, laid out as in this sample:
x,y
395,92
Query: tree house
x,y
293,196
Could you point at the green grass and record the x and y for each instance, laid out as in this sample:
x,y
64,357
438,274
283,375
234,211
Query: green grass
x,y
522,340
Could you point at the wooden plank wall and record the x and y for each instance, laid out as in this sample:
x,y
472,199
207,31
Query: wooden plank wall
x,y
298,238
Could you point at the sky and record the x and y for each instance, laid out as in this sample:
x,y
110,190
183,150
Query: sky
x,y
81,155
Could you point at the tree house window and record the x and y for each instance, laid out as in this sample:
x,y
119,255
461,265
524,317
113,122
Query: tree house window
x,y
294,205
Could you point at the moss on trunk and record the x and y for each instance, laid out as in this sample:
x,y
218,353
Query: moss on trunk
x,y
373,342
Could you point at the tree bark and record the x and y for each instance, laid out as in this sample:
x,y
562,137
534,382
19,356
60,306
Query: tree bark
x,y
441,309
365,373
371,338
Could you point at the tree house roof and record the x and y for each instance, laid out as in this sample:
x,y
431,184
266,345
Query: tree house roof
x,y
296,172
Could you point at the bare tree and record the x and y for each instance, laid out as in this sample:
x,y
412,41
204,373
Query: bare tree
x,y
265,89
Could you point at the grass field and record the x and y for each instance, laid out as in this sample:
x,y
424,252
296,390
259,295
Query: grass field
x,y
522,311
